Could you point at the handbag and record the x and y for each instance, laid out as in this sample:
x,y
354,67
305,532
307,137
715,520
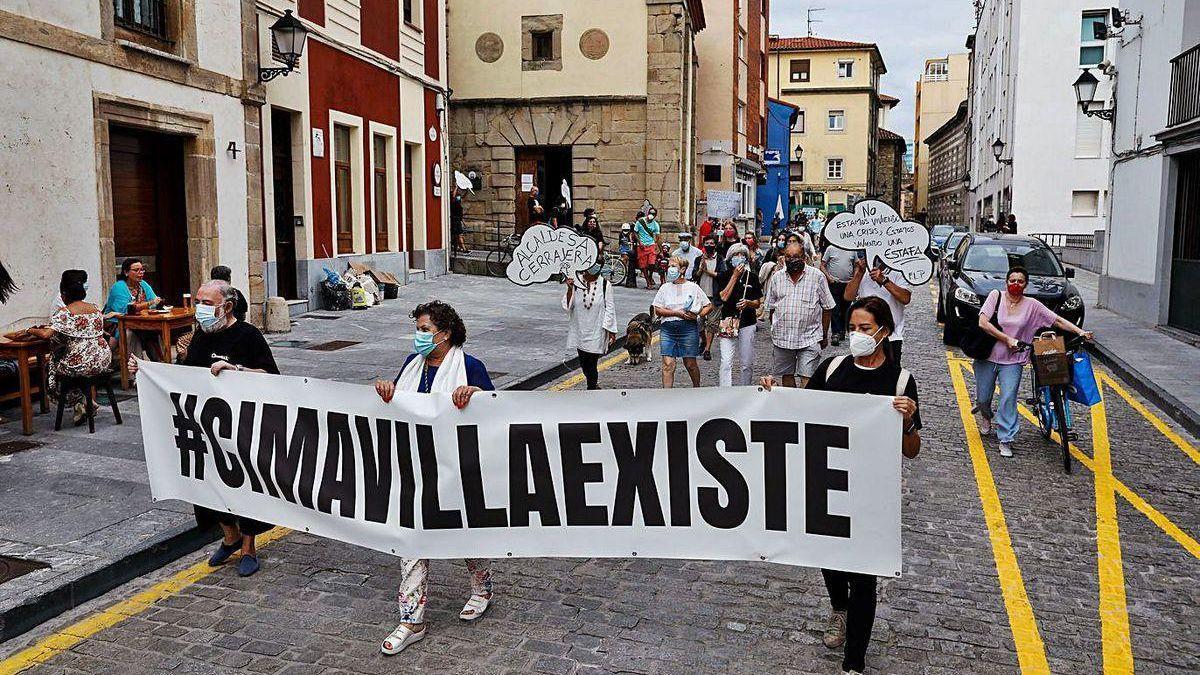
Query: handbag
x,y
1083,388
977,343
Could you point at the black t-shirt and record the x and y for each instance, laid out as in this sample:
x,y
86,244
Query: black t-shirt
x,y
854,379
456,212
747,287
240,344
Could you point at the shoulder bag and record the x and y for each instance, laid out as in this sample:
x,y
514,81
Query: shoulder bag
x,y
977,343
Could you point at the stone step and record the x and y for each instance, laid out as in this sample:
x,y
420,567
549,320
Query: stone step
x,y
415,275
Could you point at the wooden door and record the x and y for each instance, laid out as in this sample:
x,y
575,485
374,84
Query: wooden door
x,y
379,192
530,163
284,203
408,197
1185,255
343,182
149,214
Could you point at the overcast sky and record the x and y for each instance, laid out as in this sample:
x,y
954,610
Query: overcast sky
x,y
907,33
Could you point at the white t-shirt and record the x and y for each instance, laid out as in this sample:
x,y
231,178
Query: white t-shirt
x,y
706,280
868,287
687,296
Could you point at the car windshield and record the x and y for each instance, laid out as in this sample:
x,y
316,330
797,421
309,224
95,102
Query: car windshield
x,y
999,257
941,230
953,241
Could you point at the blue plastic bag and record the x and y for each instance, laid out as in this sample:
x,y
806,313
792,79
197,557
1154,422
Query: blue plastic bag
x,y
1083,389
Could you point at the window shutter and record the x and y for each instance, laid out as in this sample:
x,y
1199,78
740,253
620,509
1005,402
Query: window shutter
x,y
1089,135
1085,203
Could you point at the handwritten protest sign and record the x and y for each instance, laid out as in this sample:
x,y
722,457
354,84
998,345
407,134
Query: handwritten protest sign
x,y
724,203
544,252
876,229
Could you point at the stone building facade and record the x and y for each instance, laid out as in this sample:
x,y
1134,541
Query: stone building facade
x,y
889,169
602,98
948,150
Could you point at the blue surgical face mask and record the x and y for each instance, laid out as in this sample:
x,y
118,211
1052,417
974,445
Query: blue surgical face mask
x,y
206,316
594,270
684,246
423,343
673,274
737,260
85,286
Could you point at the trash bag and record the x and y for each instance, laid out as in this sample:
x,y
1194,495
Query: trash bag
x,y
337,296
359,298
1083,388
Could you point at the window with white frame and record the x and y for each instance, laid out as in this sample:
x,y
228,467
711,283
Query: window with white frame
x,y
835,168
799,128
742,46
1085,203
937,71
845,68
741,120
1091,50
837,120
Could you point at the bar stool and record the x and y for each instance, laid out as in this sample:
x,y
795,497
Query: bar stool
x,y
88,386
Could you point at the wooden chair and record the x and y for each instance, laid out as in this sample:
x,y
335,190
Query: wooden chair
x,y
87,386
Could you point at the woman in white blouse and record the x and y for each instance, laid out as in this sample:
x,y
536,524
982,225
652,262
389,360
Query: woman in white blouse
x,y
592,319
679,303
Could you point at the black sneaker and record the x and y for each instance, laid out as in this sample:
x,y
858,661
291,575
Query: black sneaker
x,y
707,355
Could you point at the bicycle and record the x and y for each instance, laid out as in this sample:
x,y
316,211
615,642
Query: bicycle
x,y
1051,378
497,261
613,268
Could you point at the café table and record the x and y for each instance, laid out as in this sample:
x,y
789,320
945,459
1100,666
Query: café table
x,y
22,351
151,321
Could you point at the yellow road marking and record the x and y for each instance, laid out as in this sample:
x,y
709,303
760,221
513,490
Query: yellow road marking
x,y
63,639
1114,609
1154,515
1153,419
578,378
1031,651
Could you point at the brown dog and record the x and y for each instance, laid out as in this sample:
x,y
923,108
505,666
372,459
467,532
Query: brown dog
x,y
637,338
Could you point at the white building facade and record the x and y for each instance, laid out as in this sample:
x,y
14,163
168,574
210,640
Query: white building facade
x,y
1026,56
1152,256
127,134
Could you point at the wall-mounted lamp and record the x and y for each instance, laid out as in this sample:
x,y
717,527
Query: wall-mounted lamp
x,y
998,152
288,36
799,152
1085,94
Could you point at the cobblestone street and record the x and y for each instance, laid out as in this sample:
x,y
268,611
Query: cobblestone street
x,y
1001,575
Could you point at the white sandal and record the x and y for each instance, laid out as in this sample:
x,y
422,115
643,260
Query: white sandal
x,y
475,607
400,638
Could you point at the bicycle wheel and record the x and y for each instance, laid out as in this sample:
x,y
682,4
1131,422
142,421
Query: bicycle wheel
x,y
497,262
1044,408
1058,394
617,271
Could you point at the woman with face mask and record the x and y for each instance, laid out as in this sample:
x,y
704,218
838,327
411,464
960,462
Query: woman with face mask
x,y
741,296
680,303
1020,318
438,366
592,319
869,369
706,275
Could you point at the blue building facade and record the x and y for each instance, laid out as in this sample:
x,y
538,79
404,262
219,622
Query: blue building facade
x,y
774,194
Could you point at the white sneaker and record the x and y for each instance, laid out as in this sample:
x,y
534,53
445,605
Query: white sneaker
x,y
1005,450
852,672
400,638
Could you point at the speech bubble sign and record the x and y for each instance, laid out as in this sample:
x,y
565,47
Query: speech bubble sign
x,y
544,252
876,229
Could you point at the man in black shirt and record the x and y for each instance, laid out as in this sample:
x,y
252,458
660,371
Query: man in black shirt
x,y
240,306
225,342
456,222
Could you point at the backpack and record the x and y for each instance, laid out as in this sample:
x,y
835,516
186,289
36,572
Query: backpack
x,y
901,381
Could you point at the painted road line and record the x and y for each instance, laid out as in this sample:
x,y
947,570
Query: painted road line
x,y
65,638
1155,516
1153,419
1031,651
578,378
1114,609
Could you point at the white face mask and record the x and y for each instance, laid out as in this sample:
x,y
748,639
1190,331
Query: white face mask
x,y
862,344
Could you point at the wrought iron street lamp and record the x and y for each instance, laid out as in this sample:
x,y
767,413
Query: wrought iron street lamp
x,y
799,152
287,36
1085,93
998,151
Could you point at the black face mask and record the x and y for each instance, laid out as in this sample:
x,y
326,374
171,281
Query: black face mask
x,y
710,249
794,265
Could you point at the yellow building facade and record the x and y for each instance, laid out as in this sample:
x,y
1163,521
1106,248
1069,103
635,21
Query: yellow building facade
x,y
942,87
835,84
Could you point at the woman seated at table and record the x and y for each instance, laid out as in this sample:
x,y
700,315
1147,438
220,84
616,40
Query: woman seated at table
x,y
83,350
130,294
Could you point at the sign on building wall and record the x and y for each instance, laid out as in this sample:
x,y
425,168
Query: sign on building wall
x,y
318,142
771,158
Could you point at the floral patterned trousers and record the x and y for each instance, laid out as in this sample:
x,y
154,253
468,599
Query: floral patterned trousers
x,y
414,578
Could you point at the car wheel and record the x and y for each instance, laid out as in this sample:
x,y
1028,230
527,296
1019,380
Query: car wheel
x,y
950,334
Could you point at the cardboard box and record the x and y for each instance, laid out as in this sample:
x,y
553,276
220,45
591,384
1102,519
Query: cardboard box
x,y
379,277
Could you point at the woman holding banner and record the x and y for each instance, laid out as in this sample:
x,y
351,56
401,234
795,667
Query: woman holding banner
x,y
871,369
438,366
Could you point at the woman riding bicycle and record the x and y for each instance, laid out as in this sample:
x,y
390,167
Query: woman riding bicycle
x,y
1019,318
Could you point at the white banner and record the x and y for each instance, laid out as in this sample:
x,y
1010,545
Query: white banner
x,y
787,476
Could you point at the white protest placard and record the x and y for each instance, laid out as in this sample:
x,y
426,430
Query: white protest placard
x,y
724,203
875,228
545,251
787,476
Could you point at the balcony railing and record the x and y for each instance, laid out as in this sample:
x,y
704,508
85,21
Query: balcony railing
x,y
1063,240
1185,87
143,16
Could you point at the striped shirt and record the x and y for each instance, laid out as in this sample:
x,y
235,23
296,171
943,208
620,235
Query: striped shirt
x,y
797,308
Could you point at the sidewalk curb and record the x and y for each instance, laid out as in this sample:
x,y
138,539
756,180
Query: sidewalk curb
x,y
154,554
1174,408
